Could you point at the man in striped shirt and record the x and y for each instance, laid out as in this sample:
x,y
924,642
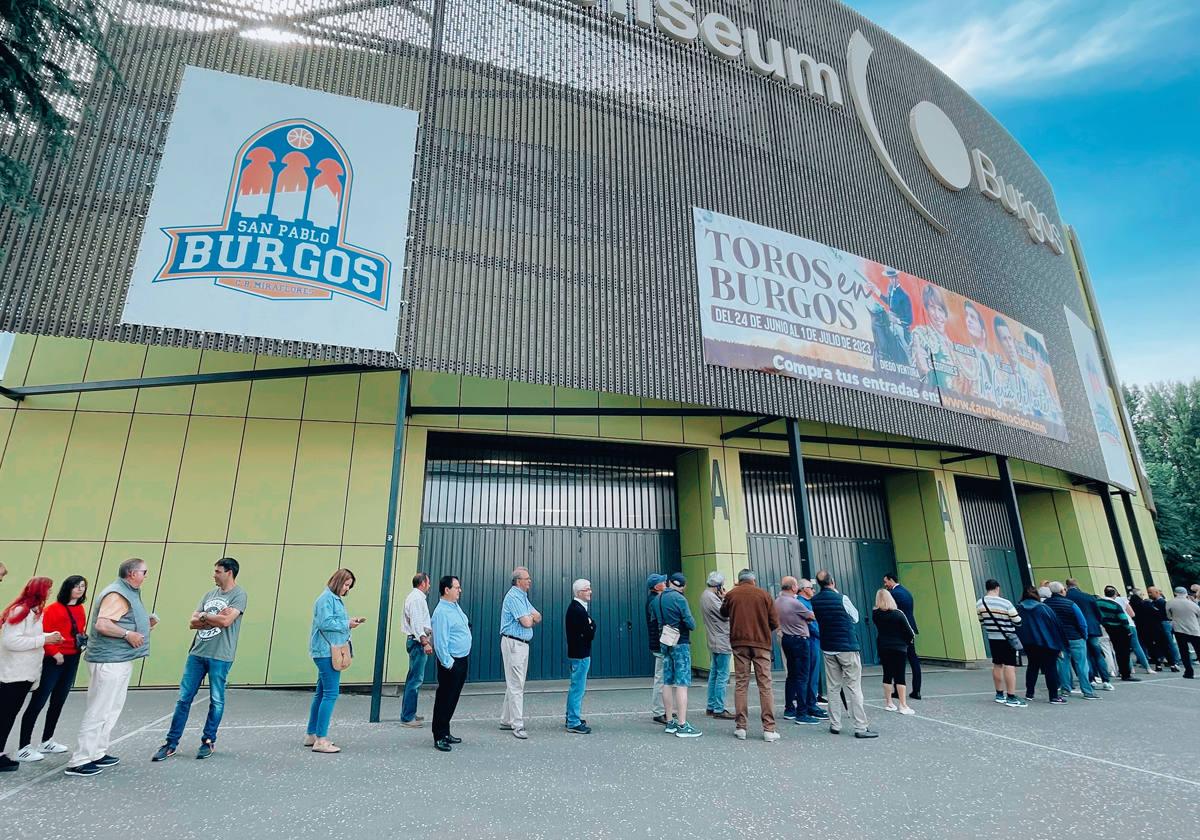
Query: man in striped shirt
x,y
1000,619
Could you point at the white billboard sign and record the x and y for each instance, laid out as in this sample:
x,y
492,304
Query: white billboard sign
x,y
278,212
1104,412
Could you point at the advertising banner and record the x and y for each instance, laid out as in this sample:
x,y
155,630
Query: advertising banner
x,y
1104,411
278,212
778,303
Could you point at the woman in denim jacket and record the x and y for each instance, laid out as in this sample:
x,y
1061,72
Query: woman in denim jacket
x,y
331,626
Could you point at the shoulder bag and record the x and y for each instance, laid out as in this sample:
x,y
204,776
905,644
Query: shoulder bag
x,y
340,656
668,635
1012,638
81,639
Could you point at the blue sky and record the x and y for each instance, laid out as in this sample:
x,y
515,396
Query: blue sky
x,y
1105,96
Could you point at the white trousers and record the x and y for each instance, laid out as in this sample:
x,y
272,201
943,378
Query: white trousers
x,y
516,664
108,685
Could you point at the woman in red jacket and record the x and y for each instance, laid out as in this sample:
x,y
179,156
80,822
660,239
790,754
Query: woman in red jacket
x,y
59,665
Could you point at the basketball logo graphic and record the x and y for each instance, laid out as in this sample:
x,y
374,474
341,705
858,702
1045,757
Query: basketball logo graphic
x,y
283,232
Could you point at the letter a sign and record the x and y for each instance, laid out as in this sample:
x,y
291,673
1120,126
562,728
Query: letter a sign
x,y
278,212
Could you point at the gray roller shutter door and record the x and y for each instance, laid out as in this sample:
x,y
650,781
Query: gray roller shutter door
x,y
989,537
851,535
569,511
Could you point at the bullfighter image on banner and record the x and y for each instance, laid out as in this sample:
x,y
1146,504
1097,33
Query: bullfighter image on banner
x,y
778,303
278,212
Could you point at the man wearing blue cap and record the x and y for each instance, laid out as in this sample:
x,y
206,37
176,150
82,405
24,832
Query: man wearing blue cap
x,y
655,584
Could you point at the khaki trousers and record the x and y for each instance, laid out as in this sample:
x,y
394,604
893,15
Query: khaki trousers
x,y
743,659
107,687
516,664
843,674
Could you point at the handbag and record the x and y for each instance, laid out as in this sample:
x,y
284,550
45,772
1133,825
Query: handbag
x,y
340,656
1012,638
668,635
81,639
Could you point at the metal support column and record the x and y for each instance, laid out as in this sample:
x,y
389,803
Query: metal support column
x,y
1138,545
800,498
1110,513
389,548
1009,490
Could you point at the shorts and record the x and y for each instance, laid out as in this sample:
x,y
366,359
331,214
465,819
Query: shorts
x,y
677,665
893,662
1003,653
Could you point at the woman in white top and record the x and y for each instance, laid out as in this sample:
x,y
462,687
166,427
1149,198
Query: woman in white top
x,y
21,645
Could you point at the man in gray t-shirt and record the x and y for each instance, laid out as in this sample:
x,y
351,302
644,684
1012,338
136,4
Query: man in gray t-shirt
x,y
217,622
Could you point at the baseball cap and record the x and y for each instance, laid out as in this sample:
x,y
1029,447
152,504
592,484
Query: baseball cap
x,y
654,580
677,579
1179,590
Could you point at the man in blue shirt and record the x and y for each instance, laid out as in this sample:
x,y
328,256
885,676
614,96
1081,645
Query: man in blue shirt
x,y
812,691
1075,631
452,647
904,600
517,617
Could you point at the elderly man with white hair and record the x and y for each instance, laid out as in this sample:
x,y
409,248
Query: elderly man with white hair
x,y
581,629
1074,627
1185,619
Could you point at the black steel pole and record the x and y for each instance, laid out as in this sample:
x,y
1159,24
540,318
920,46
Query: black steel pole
x,y
1138,545
1110,513
800,498
389,549
1014,521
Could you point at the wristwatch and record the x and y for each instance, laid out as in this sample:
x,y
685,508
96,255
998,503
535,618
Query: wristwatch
x,y
125,635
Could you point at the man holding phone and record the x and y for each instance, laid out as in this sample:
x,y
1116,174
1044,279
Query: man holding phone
x,y
119,636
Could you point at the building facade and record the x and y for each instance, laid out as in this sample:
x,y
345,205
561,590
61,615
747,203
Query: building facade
x,y
573,403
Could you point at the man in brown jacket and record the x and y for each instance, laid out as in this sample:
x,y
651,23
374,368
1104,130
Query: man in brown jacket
x,y
752,621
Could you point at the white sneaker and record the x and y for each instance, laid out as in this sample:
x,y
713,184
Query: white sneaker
x,y
770,737
1077,691
740,734
1107,687
29,754
908,710
53,747
890,707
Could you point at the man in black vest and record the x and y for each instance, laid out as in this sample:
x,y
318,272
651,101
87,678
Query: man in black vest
x,y
581,629
841,651
904,600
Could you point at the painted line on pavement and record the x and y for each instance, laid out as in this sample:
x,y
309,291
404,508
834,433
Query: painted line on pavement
x,y
59,770
1059,750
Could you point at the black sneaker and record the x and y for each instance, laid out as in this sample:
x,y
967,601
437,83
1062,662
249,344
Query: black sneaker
x,y
914,695
866,733
442,745
581,729
7,765
207,748
1131,679
661,719
89,769
107,761
453,739
163,753
1058,701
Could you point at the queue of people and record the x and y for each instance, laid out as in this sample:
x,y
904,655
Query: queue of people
x,y
1065,633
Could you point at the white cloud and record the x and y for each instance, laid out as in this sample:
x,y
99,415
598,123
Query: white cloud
x,y
1012,48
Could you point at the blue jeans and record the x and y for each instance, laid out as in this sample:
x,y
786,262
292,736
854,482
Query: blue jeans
x,y
809,698
1139,653
1096,660
579,674
1075,656
194,671
325,695
1169,629
718,680
417,657
795,650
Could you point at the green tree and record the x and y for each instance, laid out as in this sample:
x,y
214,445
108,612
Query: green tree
x,y
1166,419
45,45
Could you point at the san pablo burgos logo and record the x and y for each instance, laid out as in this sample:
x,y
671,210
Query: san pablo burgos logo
x,y
282,235
940,145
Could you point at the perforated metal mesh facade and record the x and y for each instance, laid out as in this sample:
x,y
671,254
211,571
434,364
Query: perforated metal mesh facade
x,y
845,501
560,155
